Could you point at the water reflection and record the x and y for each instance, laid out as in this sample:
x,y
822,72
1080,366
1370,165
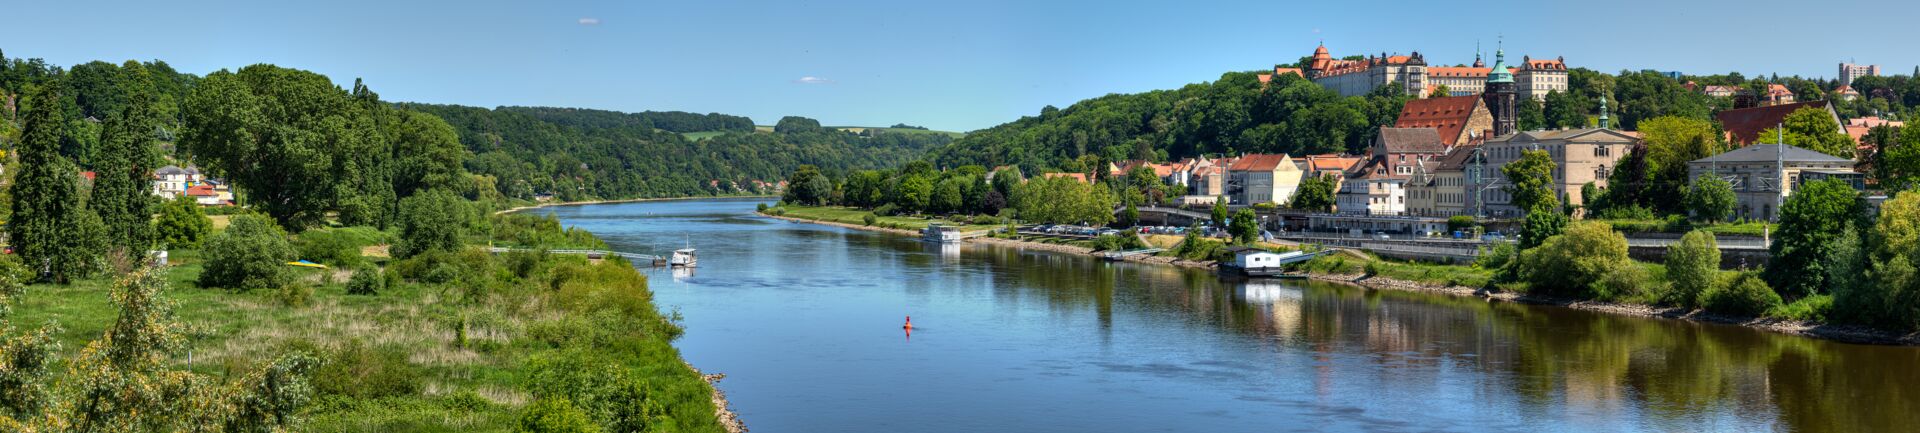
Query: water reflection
x,y
1027,340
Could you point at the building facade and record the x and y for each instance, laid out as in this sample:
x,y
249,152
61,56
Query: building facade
x,y
1460,120
1580,156
1849,71
1262,178
1535,78
1359,77
1379,186
1764,175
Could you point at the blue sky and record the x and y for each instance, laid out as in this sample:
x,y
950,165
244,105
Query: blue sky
x,y
947,65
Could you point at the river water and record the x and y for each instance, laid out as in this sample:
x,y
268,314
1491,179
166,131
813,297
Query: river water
x,y
805,321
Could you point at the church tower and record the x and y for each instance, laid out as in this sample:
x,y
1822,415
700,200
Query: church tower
x,y
1500,93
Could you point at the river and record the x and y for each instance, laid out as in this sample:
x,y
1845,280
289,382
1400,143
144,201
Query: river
x,y
805,322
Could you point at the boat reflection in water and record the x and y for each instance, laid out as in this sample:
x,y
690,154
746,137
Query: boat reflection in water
x,y
1265,292
682,274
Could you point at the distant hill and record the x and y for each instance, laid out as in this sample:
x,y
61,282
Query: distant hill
x,y
581,154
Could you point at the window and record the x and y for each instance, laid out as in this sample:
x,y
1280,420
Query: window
x,y
1601,151
1600,173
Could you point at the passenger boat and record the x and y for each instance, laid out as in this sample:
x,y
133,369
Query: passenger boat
x,y
683,258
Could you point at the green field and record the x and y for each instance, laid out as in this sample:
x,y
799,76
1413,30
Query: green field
x,y
702,135
465,342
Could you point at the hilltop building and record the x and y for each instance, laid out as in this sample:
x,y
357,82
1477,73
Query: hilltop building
x,y
1411,74
1849,71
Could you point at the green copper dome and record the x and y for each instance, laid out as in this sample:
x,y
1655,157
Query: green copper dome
x,y
1500,74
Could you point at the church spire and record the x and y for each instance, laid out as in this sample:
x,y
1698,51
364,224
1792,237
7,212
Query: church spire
x,y
1604,123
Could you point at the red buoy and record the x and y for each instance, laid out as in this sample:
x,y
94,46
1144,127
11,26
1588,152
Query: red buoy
x,y
909,324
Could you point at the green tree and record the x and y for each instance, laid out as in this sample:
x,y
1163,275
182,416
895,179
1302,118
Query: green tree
x,y
1245,227
1876,278
914,194
121,192
251,254
430,221
1316,194
1130,216
427,153
1670,142
1898,165
1810,221
181,223
1813,129
1710,199
1531,181
948,196
1440,91
1541,224
297,145
1564,110
1219,212
797,124
50,229
1693,264
808,187
1529,115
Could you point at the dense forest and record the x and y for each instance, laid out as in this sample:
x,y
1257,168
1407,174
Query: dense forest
x,y
579,154
1238,114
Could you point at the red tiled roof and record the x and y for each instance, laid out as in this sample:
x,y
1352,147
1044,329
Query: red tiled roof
x,y
1554,65
87,174
1411,140
1258,162
201,191
1277,71
1448,115
1451,71
1744,125
1319,163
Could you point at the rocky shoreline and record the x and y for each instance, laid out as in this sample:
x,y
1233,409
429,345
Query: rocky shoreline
x,y
1841,333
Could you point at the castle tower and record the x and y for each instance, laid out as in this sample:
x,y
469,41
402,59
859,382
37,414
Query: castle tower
x,y
1500,95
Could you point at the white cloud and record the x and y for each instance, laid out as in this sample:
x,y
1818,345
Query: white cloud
x,y
812,80
589,21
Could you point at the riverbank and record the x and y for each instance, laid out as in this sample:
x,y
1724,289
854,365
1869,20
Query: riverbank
x,y
1843,333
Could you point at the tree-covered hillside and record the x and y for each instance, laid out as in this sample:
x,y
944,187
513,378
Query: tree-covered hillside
x,y
1231,115
592,154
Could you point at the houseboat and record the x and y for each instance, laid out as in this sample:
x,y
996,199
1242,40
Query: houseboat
x,y
683,258
939,233
1255,262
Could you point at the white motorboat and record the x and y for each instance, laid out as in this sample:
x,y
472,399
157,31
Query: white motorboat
x,y
683,258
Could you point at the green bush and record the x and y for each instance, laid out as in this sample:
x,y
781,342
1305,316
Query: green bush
x,y
555,415
869,218
366,280
361,371
181,223
888,209
431,221
1812,308
296,295
251,254
1745,295
1570,263
1459,222
338,247
760,207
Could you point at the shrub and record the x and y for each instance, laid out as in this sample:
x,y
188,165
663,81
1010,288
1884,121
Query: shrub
x,y
296,295
760,207
780,211
1692,264
869,218
1459,222
251,254
366,280
1746,295
556,415
1570,263
360,371
1627,282
430,221
181,223
339,247
888,209
1632,212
